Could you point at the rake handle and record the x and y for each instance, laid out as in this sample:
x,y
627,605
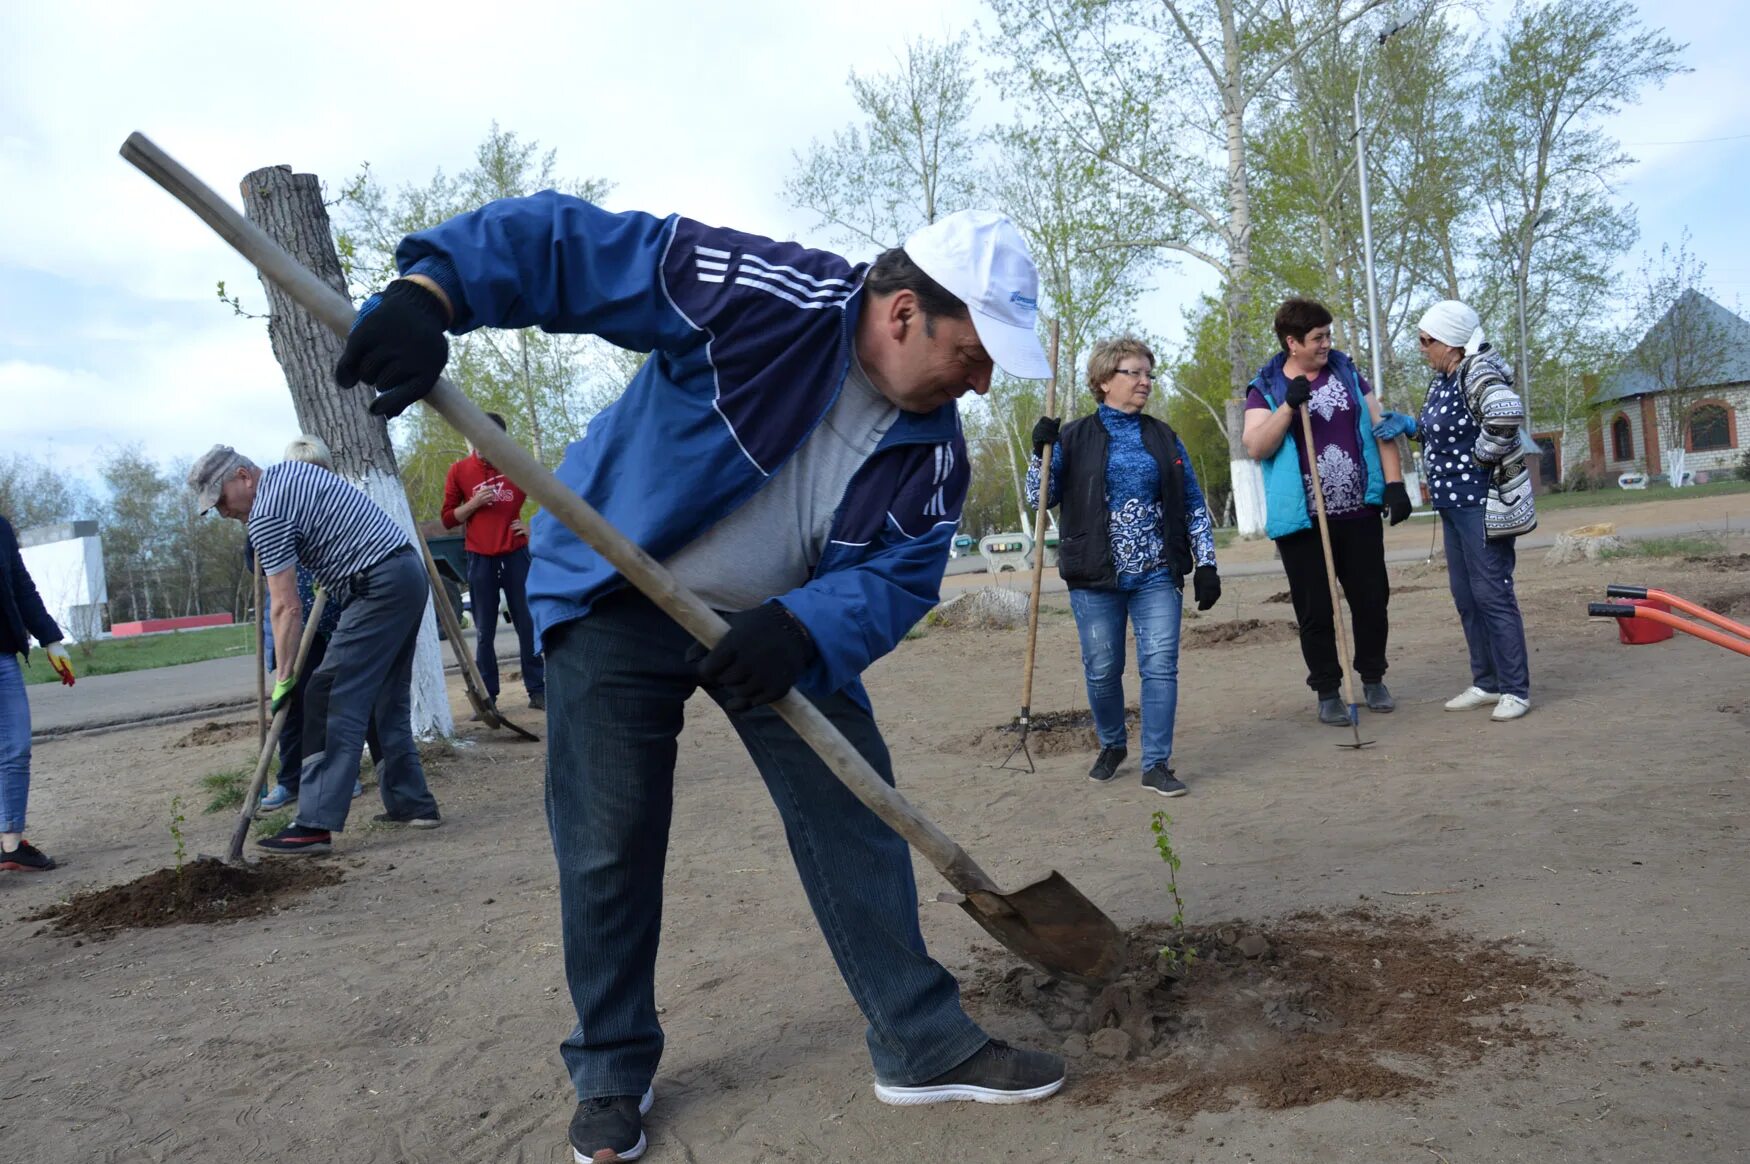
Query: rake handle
x,y
1318,491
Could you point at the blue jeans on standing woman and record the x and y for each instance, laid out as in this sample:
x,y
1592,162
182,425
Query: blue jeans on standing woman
x,y
1480,571
1154,610
487,575
14,745
619,681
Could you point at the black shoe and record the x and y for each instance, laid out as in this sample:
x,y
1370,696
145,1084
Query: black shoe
x,y
1160,779
1378,698
1332,711
538,700
27,858
996,1073
1106,766
610,1128
423,820
298,840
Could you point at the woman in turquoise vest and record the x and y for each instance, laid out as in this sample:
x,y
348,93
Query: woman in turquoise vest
x,y
1360,477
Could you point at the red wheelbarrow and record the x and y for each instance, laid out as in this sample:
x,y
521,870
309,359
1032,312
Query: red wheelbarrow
x,y
1653,606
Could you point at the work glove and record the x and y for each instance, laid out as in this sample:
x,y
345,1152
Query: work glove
x,y
1397,502
1299,392
765,652
59,660
1045,431
1206,585
397,346
1393,425
282,691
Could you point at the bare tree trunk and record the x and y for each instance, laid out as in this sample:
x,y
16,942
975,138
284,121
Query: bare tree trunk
x,y
289,208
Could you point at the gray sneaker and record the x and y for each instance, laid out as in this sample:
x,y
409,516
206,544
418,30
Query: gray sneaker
x,y
1160,779
1332,711
1106,766
996,1073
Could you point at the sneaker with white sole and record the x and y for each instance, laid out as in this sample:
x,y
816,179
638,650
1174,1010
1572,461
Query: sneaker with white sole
x,y
996,1073
610,1128
1510,707
1472,698
278,797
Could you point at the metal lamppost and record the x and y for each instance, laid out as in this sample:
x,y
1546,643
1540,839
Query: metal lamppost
x,y
1524,274
1373,337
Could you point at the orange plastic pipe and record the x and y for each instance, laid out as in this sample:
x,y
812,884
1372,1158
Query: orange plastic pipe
x,y
1700,612
1718,638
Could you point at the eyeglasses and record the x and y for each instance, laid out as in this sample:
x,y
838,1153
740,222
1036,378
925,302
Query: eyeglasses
x,y
1138,374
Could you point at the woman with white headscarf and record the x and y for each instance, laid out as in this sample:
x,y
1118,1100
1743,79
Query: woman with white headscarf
x,y
1469,428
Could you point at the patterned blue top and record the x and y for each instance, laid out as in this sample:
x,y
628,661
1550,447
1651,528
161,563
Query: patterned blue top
x,y
1133,495
1448,433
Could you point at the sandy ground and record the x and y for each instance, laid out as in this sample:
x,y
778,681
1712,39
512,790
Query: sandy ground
x,y
412,1012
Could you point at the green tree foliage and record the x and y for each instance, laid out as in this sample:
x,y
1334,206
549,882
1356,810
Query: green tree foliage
x,y
546,386
34,492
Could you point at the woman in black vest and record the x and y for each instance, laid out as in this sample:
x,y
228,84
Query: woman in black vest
x,y
1133,523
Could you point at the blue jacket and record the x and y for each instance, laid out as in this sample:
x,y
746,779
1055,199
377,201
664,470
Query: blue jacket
x,y
750,341
1285,508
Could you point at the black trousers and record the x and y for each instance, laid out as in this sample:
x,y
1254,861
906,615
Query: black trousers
x,y
1358,548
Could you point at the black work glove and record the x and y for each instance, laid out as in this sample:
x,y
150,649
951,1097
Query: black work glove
x,y
1299,392
1206,585
397,346
1397,502
1045,431
765,652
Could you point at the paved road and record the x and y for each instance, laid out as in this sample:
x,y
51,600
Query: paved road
x,y
189,689
229,684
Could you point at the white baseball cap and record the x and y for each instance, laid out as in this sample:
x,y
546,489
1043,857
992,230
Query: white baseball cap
x,y
980,258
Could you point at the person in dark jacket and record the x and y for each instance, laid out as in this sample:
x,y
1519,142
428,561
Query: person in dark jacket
x,y
22,617
791,452
1133,524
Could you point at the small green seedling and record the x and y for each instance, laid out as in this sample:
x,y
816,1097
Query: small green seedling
x,y
176,822
1176,954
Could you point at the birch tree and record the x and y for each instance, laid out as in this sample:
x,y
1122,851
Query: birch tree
x,y
289,208
1161,92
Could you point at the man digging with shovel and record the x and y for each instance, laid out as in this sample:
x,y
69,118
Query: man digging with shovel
x,y
792,452
302,514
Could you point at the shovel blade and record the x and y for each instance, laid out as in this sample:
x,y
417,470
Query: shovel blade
x,y
1053,925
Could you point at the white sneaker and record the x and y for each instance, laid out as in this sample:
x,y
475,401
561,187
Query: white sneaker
x,y
1510,707
1471,698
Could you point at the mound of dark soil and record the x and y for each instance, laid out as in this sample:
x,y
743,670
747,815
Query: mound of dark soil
x,y
1721,562
1236,632
1051,733
1358,1005
216,733
207,890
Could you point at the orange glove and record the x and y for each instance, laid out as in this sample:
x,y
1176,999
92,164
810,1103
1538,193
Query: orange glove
x,y
58,659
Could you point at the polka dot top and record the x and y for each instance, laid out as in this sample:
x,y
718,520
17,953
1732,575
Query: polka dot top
x,y
1449,435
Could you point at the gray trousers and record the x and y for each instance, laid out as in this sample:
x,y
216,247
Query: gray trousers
x,y
367,674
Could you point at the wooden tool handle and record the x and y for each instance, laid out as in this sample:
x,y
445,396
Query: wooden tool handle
x,y
247,814
1039,542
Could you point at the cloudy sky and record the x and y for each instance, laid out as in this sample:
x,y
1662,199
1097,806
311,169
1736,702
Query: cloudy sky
x,y
110,331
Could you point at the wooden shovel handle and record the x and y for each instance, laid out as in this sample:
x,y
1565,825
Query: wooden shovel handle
x,y
336,312
268,745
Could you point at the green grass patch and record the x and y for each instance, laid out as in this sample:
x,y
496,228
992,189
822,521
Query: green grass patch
x,y
1224,537
1615,496
272,823
225,789
143,652
1667,548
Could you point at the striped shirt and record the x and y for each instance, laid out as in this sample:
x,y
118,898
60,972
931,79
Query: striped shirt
x,y
305,515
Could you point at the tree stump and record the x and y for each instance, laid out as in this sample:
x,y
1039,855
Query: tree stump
x,y
1587,542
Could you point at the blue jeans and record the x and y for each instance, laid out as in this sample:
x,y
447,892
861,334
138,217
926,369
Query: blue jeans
x,y
619,680
1154,611
1480,572
487,575
366,679
14,746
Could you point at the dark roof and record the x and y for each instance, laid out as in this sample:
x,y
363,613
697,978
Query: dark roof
x,y
1632,381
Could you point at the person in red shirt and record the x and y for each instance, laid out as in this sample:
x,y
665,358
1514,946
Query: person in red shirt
x,y
479,497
